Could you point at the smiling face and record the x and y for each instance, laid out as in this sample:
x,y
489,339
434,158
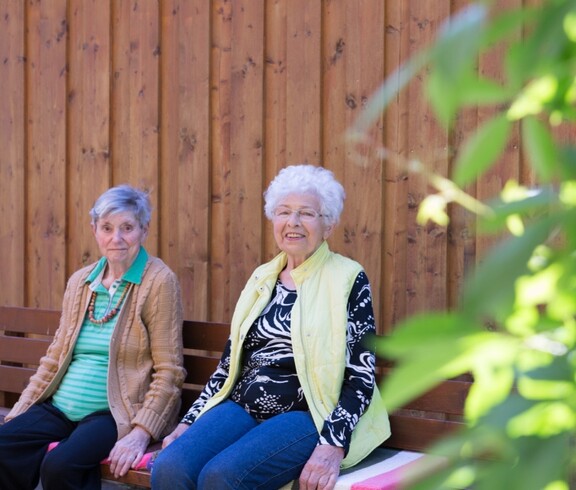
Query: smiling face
x,y
296,236
119,237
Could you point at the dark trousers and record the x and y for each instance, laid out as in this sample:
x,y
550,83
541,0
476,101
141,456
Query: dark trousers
x,y
73,464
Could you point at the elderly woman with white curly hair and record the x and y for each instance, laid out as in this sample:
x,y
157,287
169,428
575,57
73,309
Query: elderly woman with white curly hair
x,y
294,395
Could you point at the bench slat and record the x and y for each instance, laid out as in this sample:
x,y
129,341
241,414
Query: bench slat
x,y
199,369
418,433
14,379
448,397
29,320
139,478
209,336
22,350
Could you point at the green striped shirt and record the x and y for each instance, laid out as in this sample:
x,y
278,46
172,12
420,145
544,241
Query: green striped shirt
x,y
83,389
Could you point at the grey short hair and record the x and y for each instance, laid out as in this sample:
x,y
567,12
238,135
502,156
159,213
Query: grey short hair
x,y
298,179
120,199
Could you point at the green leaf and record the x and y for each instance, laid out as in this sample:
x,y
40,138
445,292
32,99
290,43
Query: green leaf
x,y
490,291
543,461
481,150
542,50
459,40
410,381
567,162
536,201
482,91
387,92
508,24
493,372
544,419
540,148
421,331
442,98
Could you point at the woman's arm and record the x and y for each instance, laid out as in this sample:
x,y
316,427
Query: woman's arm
x,y
212,387
323,467
359,374
162,316
49,363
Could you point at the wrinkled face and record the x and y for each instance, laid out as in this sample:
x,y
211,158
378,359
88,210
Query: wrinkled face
x,y
299,229
119,237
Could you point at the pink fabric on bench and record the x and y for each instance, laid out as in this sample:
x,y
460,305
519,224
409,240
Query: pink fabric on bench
x,y
144,464
377,466
402,476
391,480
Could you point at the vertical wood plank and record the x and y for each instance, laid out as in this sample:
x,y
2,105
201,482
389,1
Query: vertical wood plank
x,y
88,123
135,107
395,188
46,152
246,141
461,230
220,83
303,82
508,165
275,104
352,74
427,141
12,138
184,163
293,90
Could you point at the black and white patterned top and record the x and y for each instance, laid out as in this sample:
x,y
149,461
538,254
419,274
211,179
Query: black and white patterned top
x,y
269,385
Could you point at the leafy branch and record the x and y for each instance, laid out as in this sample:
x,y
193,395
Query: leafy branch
x,y
521,410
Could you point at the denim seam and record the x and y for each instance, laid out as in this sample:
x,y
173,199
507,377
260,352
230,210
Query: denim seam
x,y
238,483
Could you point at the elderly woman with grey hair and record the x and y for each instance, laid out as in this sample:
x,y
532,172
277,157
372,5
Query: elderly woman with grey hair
x,y
294,394
110,381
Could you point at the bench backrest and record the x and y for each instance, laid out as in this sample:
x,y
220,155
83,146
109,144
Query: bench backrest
x,y
25,334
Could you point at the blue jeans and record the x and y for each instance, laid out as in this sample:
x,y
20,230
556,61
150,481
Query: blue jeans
x,y
73,464
228,448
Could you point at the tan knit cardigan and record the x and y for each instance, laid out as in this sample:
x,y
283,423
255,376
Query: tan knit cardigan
x,y
145,373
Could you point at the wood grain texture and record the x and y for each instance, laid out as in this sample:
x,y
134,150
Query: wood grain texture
x,y
46,156
202,102
353,34
427,141
88,112
13,154
184,149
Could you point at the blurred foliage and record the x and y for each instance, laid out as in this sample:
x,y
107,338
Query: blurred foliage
x,y
521,410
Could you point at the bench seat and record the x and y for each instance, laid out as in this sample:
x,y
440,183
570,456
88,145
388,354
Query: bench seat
x,y
384,469
25,334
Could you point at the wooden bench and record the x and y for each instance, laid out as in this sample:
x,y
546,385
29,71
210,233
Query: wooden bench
x,y
25,334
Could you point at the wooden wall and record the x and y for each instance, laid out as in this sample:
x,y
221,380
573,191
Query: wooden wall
x,y
202,102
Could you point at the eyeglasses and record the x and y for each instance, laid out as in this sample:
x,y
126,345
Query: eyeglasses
x,y
306,215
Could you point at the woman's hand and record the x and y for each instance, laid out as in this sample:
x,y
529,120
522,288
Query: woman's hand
x,y
128,451
175,434
322,468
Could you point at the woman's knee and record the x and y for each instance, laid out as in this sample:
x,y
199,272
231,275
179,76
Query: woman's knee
x,y
170,472
54,467
218,476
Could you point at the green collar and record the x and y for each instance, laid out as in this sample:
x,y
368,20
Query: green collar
x,y
133,274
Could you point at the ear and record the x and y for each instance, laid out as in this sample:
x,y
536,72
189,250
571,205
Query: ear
x,y
328,231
